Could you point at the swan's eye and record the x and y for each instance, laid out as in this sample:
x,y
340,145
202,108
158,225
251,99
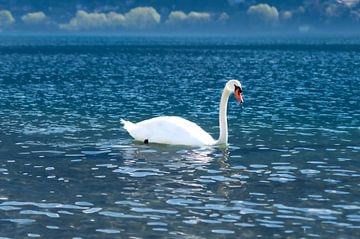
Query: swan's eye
x,y
237,88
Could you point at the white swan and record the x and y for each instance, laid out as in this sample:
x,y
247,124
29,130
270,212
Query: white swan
x,y
179,131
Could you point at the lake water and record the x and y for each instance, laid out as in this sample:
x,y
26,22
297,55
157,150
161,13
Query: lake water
x,y
69,170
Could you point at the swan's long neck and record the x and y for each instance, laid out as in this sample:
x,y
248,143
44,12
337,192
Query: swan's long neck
x,y
223,138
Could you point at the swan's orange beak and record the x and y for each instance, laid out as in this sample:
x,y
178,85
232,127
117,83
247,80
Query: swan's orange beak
x,y
238,95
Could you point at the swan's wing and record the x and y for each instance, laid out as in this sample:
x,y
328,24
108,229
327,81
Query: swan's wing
x,y
169,130
127,124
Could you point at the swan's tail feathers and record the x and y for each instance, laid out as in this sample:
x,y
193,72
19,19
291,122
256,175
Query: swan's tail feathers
x,y
127,124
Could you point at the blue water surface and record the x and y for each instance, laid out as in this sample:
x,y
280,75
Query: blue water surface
x,y
68,169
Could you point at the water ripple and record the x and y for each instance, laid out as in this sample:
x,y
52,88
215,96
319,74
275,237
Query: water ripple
x,y
67,167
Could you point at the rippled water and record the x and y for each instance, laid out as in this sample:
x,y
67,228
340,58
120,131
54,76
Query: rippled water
x,y
67,168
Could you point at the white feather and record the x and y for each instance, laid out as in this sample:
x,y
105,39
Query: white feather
x,y
169,130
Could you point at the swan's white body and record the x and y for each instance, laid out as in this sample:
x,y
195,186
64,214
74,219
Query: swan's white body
x,y
169,130
179,131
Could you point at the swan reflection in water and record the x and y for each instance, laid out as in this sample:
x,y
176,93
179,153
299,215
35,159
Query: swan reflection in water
x,y
184,165
132,153
190,174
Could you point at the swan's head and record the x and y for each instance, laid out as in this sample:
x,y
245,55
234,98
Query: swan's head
x,y
235,86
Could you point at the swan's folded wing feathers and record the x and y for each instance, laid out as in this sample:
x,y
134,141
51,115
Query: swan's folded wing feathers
x,y
128,125
170,130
